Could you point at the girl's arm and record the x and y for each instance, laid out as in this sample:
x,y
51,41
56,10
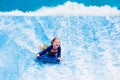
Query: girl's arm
x,y
59,53
45,50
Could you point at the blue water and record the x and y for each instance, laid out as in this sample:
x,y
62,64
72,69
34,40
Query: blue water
x,y
90,41
31,5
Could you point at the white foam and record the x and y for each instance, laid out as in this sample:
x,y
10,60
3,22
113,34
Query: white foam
x,y
68,9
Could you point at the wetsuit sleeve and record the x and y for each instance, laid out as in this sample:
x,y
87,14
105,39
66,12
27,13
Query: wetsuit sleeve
x,y
59,52
46,50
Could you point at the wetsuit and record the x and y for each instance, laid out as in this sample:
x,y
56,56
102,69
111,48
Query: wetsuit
x,y
48,51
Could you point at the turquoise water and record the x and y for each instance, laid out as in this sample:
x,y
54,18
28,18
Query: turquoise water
x,y
31,5
90,41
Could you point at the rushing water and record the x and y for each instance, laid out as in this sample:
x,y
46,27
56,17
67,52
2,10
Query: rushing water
x,y
90,43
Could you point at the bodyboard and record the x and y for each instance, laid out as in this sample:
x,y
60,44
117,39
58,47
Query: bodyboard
x,y
47,58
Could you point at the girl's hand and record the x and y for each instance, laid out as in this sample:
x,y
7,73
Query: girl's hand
x,y
59,58
37,55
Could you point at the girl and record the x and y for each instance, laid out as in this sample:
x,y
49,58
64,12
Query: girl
x,y
53,50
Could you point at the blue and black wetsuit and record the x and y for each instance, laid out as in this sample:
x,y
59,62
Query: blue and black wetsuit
x,y
49,52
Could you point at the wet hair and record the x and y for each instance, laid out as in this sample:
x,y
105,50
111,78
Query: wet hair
x,y
54,40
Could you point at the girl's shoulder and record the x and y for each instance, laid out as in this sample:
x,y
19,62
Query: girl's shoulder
x,y
59,47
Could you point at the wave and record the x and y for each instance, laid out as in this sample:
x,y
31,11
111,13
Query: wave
x,y
68,9
91,44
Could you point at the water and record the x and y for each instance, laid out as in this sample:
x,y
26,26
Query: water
x,y
90,41
30,5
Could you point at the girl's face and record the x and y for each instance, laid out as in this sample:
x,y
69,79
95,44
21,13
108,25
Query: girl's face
x,y
56,43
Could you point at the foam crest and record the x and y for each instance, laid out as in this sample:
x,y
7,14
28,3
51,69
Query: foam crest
x,y
68,9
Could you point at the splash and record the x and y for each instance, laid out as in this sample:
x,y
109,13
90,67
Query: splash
x,y
90,44
68,9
